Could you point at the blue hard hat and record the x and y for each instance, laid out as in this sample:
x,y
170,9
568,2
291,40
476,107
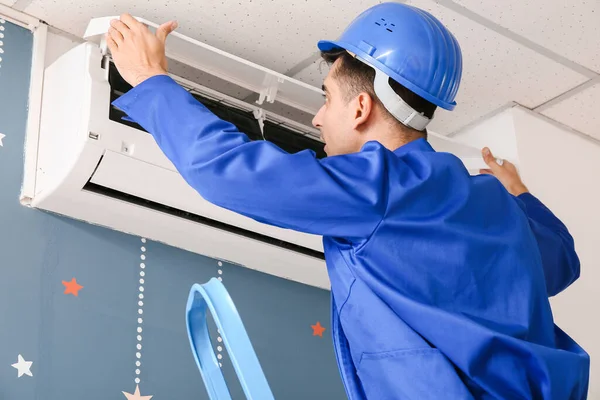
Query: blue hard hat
x,y
410,46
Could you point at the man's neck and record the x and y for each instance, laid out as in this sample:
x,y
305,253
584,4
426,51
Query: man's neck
x,y
394,139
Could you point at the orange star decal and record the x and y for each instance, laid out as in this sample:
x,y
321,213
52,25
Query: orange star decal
x,y
72,287
318,329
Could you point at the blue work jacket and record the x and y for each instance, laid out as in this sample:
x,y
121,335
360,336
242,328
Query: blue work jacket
x,y
440,280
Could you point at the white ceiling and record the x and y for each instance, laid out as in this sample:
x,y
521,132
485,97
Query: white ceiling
x,y
532,52
569,28
497,71
579,111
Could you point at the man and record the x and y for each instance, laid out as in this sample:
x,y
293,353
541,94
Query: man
x,y
440,280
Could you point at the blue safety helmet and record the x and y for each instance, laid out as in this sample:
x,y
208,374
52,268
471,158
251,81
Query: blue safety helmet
x,y
410,46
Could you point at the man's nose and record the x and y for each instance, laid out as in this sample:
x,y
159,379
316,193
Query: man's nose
x,y
316,121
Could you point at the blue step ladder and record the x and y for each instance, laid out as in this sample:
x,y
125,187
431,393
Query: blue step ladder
x,y
214,297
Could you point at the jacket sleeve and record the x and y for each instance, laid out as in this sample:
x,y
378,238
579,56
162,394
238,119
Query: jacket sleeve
x,y
337,196
556,245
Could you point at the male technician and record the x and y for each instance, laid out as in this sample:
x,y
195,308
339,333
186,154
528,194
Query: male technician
x,y
440,280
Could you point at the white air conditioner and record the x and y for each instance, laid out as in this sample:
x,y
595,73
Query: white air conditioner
x,y
100,169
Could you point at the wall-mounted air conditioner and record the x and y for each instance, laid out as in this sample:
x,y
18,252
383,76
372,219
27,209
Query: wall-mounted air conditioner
x,y
95,165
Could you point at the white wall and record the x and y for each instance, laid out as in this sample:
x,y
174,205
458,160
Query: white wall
x,y
497,132
562,168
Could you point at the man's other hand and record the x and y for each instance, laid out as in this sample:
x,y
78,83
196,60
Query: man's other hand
x,y
138,53
506,173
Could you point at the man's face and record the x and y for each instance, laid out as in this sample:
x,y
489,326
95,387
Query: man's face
x,y
336,118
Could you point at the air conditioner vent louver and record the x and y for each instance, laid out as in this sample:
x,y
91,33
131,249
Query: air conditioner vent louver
x,y
138,201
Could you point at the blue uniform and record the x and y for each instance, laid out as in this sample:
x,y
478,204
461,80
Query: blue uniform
x,y
440,280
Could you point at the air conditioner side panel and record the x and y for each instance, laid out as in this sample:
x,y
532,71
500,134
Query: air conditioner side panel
x,y
63,124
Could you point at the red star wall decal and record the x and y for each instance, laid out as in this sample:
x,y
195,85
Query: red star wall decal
x,y
72,287
318,329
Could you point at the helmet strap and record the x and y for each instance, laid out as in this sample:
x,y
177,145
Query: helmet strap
x,y
395,105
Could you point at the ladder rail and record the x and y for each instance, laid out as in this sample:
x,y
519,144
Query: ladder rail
x,y
213,296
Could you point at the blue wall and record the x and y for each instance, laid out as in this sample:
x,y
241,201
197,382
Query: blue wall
x,y
84,347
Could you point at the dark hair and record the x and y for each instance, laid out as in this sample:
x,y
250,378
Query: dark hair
x,y
356,77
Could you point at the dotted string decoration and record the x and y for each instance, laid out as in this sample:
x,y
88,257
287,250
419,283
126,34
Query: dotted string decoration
x,y
138,354
219,338
2,22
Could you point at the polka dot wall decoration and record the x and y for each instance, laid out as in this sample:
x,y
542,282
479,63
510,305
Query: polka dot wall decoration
x,y
2,29
136,395
142,281
2,23
219,338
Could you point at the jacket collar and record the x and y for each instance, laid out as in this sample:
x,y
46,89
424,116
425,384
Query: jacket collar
x,y
415,145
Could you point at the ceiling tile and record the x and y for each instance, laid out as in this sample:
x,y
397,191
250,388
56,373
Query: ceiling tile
x,y
496,71
569,28
580,111
275,34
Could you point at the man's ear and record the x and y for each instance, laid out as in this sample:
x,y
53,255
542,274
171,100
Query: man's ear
x,y
363,108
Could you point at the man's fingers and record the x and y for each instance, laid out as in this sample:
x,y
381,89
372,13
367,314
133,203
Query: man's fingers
x,y
115,35
508,164
486,171
163,31
120,27
490,160
488,157
110,42
128,20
